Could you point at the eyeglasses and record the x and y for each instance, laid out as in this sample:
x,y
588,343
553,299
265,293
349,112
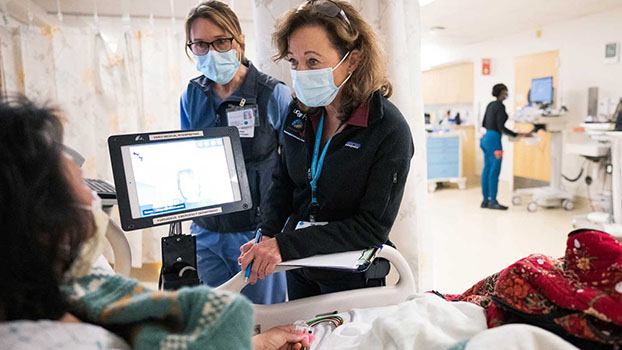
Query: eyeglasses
x,y
201,47
327,8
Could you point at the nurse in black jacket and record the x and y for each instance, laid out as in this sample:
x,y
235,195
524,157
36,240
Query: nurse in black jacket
x,y
346,152
494,123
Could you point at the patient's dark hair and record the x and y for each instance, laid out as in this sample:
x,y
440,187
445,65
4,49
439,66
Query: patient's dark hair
x,y
41,227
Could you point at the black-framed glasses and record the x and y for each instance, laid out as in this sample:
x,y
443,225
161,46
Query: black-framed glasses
x,y
200,47
327,8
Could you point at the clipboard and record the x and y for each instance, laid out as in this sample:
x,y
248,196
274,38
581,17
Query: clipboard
x,y
355,261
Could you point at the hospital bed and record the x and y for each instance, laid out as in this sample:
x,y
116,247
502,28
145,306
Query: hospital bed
x,y
396,317
268,316
120,248
388,317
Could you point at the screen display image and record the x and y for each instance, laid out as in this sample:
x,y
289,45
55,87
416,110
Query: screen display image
x,y
542,89
174,176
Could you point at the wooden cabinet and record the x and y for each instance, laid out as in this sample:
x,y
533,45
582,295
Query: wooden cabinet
x,y
448,84
467,135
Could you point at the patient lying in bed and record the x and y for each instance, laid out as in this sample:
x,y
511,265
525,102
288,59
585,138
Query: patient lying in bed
x,y
53,229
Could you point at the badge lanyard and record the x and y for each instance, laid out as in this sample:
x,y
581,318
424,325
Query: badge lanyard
x,y
316,166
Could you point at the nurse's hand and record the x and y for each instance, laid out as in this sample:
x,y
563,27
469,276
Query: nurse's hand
x,y
265,255
246,246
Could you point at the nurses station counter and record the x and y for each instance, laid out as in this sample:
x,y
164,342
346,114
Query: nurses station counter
x,y
444,158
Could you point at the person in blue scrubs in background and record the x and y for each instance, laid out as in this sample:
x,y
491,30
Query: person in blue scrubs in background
x,y
494,122
232,92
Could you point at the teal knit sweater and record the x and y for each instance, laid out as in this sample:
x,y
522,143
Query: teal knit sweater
x,y
191,318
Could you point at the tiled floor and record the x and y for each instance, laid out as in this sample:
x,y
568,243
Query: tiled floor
x,y
477,242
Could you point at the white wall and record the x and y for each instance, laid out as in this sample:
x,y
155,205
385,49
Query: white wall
x,y
581,45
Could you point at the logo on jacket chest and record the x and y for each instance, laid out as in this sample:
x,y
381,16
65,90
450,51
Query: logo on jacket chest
x,y
296,128
352,144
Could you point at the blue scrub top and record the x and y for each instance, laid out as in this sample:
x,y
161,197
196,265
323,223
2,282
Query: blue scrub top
x,y
202,113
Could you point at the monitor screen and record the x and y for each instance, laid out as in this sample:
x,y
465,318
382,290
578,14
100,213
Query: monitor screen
x,y
169,177
541,90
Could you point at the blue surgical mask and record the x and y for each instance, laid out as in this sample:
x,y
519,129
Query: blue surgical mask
x,y
316,87
219,67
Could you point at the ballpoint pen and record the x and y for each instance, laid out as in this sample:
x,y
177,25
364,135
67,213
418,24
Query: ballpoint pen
x,y
250,265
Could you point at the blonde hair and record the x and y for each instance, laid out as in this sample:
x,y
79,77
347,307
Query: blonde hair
x,y
369,76
222,15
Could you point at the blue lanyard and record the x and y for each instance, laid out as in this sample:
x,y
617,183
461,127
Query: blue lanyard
x,y
316,164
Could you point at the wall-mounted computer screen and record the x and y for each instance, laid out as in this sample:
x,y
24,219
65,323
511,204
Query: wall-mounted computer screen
x,y
541,90
176,176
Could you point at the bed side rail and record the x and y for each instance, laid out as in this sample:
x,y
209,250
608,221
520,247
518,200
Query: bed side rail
x,y
268,316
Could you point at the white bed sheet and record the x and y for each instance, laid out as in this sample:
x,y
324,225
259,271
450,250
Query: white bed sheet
x,y
429,322
424,322
517,337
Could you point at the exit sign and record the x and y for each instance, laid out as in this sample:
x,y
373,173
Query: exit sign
x,y
485,66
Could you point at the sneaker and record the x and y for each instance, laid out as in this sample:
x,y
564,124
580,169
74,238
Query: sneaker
x,y
497,206
484,204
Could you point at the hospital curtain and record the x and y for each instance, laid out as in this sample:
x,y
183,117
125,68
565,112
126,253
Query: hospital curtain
x,y
397,24
123,84
265,15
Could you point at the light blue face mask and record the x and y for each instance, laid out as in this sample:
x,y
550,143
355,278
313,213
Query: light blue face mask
x,y
219,67
316,87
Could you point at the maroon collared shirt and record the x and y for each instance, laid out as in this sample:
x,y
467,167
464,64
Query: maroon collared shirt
x,y
359,117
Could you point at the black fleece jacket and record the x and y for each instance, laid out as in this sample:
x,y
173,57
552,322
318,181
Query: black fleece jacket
x,y
495,118
360,187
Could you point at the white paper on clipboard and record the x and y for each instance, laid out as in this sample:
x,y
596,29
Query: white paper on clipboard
x,y
336,261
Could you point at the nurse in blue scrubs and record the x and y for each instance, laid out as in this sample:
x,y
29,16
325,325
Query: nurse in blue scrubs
x,y
232,92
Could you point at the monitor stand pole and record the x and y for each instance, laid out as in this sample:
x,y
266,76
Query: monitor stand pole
x,y
174,229
179,260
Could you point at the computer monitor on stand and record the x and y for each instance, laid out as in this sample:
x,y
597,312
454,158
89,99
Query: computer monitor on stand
x,y
164,178
541,92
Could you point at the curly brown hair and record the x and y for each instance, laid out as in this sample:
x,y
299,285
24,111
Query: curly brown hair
x,y
370,75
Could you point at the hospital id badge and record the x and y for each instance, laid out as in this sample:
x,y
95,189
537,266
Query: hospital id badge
x,y
304,224
245,118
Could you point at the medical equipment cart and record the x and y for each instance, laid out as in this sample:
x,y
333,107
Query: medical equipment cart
x,y
549,196
444,158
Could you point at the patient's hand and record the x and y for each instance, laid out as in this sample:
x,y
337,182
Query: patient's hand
x,y
280,338
69,318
